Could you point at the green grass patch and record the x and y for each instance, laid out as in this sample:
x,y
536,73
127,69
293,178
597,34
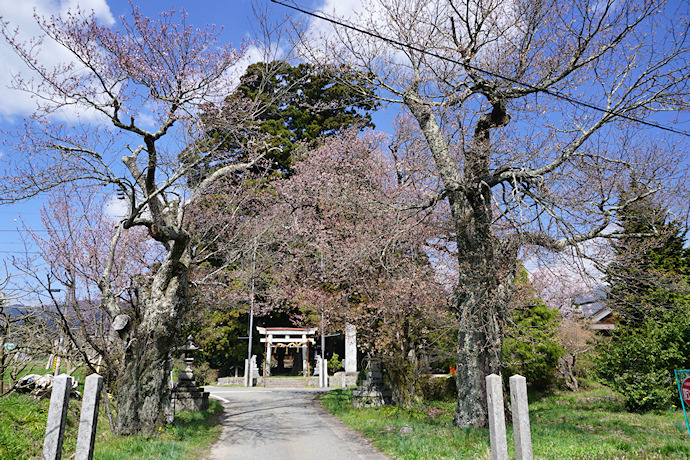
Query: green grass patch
x,y
591,424
23,427
23,424
190,436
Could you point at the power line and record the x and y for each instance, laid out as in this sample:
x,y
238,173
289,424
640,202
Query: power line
x,y
555,94
21,230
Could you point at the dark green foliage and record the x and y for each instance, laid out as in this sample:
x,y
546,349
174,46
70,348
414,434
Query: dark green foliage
x,y
638,361
532,349
649,293
219,337
304,103
293,105
651,267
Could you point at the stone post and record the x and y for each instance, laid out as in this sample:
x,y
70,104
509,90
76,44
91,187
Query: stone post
x,y
248,377
521,429
322,366
57,413
89,417
318,370
350,349
497,421
305,357
268,359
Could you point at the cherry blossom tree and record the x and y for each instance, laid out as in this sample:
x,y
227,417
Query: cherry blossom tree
x,y
532,113
75,249
355,251
124,112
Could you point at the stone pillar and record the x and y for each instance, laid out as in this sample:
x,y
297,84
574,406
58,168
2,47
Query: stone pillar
x,y
305,357
521,429
89,417
57,414
268,360
350,349
322,369
497,421
324,373
248,380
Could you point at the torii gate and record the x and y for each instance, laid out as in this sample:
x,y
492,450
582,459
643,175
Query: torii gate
x,y
287,337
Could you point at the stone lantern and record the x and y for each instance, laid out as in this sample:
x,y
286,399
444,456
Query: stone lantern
x,y
186,394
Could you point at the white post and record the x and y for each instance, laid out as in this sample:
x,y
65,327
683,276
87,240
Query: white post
x,y
248,373
350,349
89,417
497,421
267,373
325,373
57,414
305,357
521,428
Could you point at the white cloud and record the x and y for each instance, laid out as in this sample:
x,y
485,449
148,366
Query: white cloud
x,y
344,9
20,15
116,208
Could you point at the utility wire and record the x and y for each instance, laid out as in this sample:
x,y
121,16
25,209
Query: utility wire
x,y
555,94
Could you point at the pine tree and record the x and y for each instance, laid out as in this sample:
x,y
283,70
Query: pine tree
x,y
294,105
649,291
651,269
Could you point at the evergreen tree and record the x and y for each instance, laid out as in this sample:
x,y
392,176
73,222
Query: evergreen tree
x,y
304,103
649,291
293,105
531,347
651,267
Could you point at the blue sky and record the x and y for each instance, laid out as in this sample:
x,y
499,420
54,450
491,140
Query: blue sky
x,y
234,16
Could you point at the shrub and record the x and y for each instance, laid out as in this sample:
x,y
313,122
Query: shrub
x,y
438,388
334,364
638,362
532,348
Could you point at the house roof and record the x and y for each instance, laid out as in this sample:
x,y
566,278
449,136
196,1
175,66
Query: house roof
x,y
595,310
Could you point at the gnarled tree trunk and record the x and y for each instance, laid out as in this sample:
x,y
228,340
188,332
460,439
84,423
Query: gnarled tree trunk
x,y
144,396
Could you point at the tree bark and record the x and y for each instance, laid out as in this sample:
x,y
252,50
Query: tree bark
x,y
484,280
144,394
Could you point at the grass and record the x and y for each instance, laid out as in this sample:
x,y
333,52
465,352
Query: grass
x,y
23,424
189,436
591,424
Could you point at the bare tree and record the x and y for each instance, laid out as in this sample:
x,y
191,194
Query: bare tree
x,y
16,330
576,340
533,113
136,94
